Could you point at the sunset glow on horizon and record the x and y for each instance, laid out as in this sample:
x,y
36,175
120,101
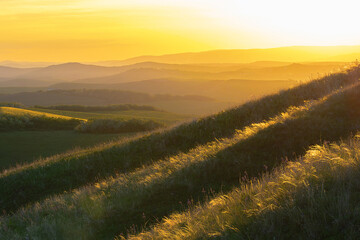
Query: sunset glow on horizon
x,y
94,30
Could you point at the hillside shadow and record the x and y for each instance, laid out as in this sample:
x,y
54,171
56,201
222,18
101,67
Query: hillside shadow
x,y
336,118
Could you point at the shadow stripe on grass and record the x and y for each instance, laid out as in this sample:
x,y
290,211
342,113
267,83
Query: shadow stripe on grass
x,y
316,197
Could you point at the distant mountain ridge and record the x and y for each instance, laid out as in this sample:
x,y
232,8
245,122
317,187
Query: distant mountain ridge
x,y
287,54
91,97
293,71
76,71
235,90
85,73
225,56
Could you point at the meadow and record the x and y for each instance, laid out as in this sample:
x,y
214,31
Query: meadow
x,y
189,175
158,116
21,147
27,134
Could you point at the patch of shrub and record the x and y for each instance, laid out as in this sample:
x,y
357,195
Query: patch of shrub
x,y
117,126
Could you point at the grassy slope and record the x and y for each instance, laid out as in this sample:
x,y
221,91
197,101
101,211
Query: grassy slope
x,y
22,147
220,167
22,112
198,108
41,179
159,116
316,197
16,119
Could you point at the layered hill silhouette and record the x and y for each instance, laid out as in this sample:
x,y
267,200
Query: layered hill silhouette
x,y
55,73
285,54
122,189
236,91
91,97
270,64
77,72
229,84
281,54
183,104
11,72
288,72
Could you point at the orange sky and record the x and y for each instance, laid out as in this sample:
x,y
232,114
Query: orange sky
x,y
91,30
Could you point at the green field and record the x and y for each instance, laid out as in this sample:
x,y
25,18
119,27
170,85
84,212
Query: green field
x,y
51,131
158,116
21,147
273,167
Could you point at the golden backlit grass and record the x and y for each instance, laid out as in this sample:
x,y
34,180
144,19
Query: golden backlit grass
x,y
315,197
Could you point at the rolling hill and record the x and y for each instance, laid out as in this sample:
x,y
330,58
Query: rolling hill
x,y
125,187
20,119
74,71
18,64
288,72
11,72
284,54
139,71
28,134
67,72
237,91
91,97
60,72
188,104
